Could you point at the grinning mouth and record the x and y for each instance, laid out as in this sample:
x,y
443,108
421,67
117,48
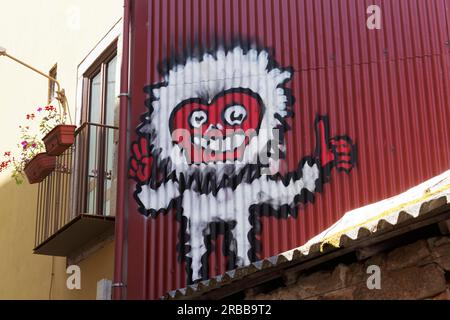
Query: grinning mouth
x,y
220,144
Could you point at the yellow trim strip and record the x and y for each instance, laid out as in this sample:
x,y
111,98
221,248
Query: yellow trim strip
x,y
334,239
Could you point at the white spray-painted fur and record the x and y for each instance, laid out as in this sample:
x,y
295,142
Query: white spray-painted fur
x,y
228,205
206,78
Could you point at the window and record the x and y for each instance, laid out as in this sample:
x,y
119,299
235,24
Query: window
x,y
100,112
76,202
51,84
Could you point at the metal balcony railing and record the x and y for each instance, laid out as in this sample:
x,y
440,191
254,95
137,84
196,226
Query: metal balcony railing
x,y
82,185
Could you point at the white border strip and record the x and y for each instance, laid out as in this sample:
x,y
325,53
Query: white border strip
x,y
114,34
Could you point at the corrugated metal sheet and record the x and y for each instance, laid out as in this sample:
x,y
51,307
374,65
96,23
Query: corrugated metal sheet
x,y
361,224
386,90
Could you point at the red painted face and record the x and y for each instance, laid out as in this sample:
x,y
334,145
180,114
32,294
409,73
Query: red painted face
x,y
217,131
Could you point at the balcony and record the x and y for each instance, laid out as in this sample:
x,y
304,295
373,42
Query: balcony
x,y
76,202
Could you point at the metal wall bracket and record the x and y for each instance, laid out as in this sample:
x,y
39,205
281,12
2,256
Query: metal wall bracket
x,y
118,285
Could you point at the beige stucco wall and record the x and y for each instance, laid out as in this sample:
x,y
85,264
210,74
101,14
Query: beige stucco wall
x,y
42,33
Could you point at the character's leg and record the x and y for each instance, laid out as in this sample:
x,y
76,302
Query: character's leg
x,y
243,244
197,247
229,248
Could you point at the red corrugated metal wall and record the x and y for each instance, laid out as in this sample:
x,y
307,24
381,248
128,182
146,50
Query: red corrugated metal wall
x,y
385,89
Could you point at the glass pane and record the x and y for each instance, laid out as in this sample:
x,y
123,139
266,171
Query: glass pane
x,y
109,173
110,110
111,105
94,117
95,112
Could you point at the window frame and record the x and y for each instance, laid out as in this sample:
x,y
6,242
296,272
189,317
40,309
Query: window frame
x,y
99,66
53,72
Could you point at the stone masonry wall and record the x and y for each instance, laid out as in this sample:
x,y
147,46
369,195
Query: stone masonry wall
x,y
416,271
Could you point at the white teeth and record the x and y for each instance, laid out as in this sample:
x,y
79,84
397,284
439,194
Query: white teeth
x,y
228,144
219,144
238,140
215,145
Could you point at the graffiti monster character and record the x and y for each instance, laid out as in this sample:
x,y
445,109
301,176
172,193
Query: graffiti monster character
x,y
210,145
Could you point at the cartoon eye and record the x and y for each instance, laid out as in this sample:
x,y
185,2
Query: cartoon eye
x,y
198,118
235,114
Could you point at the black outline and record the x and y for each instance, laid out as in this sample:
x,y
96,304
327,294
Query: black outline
x,y
161,174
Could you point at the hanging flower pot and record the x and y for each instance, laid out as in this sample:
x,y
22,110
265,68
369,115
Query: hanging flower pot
x,y
39,167
59,139
32,161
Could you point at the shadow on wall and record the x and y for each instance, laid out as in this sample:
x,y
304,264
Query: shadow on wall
x,y
24,275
